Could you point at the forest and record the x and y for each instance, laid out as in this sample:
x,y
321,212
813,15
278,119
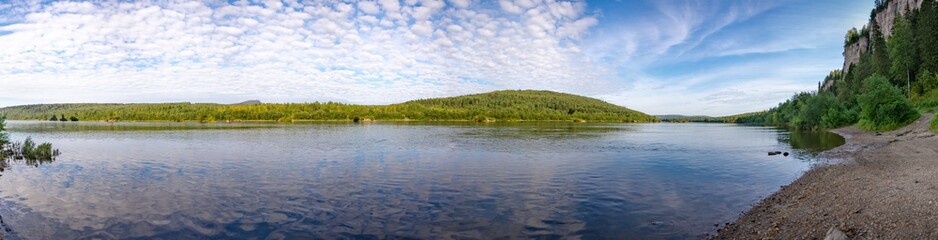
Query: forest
x,y
895,80
508,105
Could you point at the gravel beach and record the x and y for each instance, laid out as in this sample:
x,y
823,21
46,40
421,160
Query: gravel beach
x,y
877,186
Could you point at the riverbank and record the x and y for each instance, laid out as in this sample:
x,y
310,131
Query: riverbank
x,y
879,186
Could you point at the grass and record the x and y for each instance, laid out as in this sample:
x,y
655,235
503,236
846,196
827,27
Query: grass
x,y
934,125
928,103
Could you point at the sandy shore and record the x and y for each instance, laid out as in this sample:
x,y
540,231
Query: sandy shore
x,y
882,186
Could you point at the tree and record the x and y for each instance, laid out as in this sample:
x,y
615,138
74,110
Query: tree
x,y
880,56
883,107
926,35
4,137
852,36
902,52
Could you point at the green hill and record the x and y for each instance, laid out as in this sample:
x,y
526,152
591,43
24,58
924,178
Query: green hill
x,y
521,105
705,119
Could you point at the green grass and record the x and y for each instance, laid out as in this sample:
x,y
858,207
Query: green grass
x,y
934,124
927,102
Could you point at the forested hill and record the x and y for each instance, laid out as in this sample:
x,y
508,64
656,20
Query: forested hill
x,y
538,105
521,105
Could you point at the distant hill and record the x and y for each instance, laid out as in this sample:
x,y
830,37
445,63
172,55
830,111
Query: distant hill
x,y
512,105
705,119
534,105
680,118
249,102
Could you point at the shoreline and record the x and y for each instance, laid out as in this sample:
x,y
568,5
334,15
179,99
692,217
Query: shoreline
x,y
301,121
875,186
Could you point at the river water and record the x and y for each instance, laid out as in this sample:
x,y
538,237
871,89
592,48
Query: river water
x,y
395,180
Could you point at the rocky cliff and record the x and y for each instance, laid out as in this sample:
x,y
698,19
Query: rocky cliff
x,y
887,16
883,18
852,52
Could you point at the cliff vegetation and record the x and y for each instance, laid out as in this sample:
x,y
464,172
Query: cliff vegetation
x,y
893,79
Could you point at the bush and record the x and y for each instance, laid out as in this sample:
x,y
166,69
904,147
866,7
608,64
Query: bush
x,y
883,107
838,117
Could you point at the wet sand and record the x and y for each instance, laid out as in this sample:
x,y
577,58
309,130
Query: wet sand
x,y
876,186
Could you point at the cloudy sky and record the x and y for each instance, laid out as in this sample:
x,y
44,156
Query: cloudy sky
x,y
657,56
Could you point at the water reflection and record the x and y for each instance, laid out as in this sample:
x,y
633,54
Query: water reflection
x,y
395,180
44,127
27,152
812,142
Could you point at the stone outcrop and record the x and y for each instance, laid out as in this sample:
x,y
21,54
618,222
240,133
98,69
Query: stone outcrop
x,y
884,19
852,52
887,17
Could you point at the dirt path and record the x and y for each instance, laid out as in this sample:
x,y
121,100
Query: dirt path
x,y
886,187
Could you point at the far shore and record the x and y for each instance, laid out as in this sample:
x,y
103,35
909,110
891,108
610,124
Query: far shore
x,y
333,121
876,186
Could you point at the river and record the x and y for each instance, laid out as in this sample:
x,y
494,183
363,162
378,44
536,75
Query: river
x,y
395,180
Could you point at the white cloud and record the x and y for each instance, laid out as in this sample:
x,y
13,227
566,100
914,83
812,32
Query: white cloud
x,y
510,6
461,3
289,51
368,7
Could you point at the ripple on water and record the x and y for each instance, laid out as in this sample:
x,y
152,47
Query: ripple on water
x,y
338,181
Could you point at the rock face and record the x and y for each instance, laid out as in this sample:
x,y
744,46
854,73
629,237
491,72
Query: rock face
x,y
852,53
884,19
887,17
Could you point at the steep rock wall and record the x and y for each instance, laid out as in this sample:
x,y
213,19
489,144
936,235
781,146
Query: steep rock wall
x,y
887,17
852,52
884,19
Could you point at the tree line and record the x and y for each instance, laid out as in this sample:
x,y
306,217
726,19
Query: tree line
x,y
510,105
63,119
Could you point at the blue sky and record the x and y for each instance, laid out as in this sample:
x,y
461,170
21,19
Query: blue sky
x,y
657,56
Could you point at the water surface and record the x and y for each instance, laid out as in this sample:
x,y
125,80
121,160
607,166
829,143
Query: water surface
x,y
395,180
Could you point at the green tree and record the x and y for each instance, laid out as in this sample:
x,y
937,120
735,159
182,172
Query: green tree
x,y
880,55
852,37
883,107
926,35
4,137
903,53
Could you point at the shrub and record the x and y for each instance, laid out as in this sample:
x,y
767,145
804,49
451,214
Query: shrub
x,y
883,107
838,116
